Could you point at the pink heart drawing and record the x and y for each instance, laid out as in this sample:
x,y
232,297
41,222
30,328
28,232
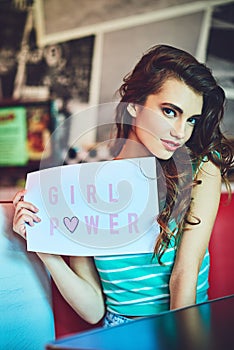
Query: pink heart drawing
x,y
71,224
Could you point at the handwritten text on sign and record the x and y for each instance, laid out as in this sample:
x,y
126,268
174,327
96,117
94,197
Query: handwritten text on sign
x,y
95,208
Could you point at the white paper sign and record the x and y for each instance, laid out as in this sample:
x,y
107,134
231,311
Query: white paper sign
x,y
100,208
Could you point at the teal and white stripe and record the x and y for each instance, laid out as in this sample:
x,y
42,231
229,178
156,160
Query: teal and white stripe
x,y
138,285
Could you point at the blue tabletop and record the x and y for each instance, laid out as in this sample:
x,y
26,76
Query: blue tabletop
x,y
208,326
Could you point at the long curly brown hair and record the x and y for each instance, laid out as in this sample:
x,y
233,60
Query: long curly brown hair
x,y
206,143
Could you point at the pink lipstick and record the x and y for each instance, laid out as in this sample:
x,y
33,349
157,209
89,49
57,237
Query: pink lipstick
x,y
170,145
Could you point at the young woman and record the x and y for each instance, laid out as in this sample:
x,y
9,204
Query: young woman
x,y
170,106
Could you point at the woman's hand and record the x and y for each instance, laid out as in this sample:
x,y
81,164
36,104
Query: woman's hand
x,y
25,213
80,279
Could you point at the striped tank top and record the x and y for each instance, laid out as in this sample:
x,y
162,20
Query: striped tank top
x,y
137,285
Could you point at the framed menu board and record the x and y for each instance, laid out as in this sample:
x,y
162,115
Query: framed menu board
x,y
26,130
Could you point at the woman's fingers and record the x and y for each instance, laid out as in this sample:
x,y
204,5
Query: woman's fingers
x,y
23,217
19,227
25,213
19,196
21,205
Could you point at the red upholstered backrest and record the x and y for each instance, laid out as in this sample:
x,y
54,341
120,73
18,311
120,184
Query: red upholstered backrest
x,y
222,251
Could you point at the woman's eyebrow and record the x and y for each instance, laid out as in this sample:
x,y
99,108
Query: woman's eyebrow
x,y
178,109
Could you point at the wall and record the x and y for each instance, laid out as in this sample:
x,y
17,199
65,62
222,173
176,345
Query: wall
x,y
83,51
124,30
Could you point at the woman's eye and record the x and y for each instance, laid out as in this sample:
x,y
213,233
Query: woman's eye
x,y
169,112
192,121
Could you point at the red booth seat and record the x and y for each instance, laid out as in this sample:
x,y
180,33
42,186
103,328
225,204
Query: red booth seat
x,y
221,251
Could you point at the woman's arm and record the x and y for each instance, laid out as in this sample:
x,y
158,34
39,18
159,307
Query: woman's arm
x,y
195,240
78,283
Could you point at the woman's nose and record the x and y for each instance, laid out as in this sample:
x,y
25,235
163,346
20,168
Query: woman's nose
x,y
178,130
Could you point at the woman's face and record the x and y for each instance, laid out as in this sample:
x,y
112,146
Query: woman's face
x,y
168,118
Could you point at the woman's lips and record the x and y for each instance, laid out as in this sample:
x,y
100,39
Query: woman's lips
x,y
170,145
